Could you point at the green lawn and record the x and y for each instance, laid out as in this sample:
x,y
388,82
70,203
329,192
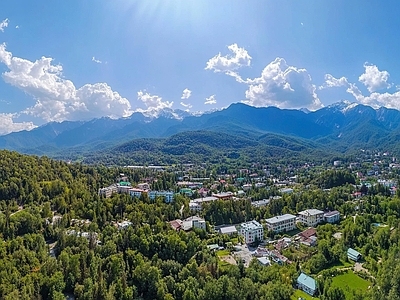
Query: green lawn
x,y
350,282
224,252
339,265
300,294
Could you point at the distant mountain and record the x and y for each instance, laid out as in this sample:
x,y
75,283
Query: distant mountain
x,y
340,127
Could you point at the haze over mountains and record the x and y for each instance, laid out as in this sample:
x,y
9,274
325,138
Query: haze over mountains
x,y
341,126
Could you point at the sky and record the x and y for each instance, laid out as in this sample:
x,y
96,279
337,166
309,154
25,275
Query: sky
x,y
79,60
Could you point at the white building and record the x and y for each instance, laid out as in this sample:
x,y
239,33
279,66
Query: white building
x,y
252,231
332,216
311,217
196,204
194,222
282,223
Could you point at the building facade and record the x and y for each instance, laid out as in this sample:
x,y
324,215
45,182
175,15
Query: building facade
x,y
252,231
311,217
282,223
332,217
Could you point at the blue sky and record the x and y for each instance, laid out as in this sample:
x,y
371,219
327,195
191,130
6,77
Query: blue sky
x,y
78,60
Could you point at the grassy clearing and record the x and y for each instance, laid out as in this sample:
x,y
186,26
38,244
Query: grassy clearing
x,y
300,294
224,252
350,282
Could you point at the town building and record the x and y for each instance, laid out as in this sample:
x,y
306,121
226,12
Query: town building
x,y
135,192
252,231
168,196
108,191
229,230
332,217
223,196
196,204
311,217
307,284
353,254
193,222
282,223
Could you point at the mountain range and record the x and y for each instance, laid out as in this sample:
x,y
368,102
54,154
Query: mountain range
x,y
339,127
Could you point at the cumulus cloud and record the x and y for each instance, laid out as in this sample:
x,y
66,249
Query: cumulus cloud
x,y
374,79
282,86
3,24
331,81
153,102
229,63
96,60
7,124
57,99
211,100
186,94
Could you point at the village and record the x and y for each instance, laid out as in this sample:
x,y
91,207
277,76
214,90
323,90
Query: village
x,y
281,239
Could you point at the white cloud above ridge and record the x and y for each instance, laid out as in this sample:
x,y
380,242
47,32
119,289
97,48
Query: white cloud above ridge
x,y
186,94
374,79
57,99
153,102
3,24
8,125
186,105
229,63
211,100
282,86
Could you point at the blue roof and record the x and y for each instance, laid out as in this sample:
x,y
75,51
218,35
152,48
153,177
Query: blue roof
x,y
307,281
353,252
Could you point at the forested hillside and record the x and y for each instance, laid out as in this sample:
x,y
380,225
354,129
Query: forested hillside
x,y
58,237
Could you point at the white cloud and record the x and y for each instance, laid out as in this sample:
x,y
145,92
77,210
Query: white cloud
x,y
282,86
331,81
374,79
57,99
153,102
211,100
8,125
3,24
229,63
96,60
187,105
17,27
186,94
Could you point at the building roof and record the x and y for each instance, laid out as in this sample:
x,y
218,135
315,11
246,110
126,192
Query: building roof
x,y
331,213
307,281
228,230
280,218
308,233
204,199
251,225
311,212
264,261
353,252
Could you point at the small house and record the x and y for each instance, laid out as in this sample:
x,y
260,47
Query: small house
x,y
307,284
353,254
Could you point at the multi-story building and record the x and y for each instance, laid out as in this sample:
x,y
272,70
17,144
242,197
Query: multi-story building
x,y
108,191
282,223
332,216
311,217
252,231
168,196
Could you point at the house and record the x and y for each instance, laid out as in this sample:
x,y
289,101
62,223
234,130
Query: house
x,y
264,261
260,203
229,230
196,204
307,284
223,196
251,231
308,237
176,224
286,191
108,191
332,217
193,222
144,186
286,222
353,254
311,217
136,193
